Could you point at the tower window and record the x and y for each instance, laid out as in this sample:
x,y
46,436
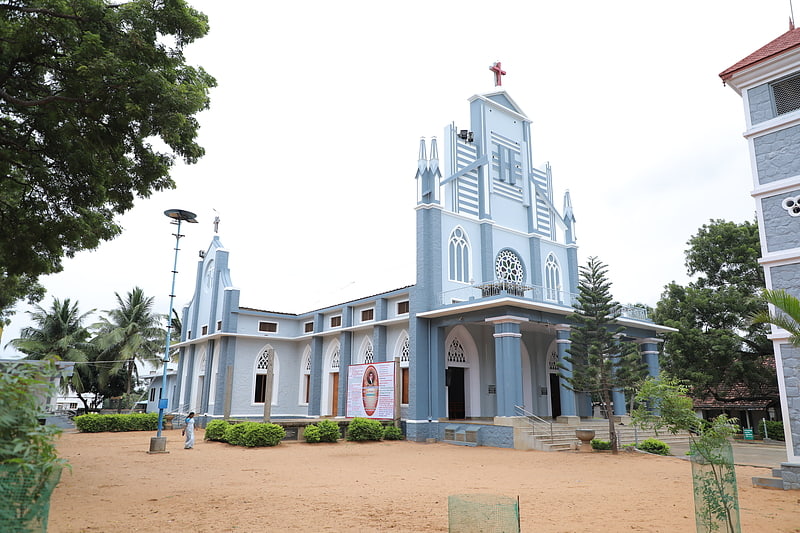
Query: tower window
x,y
786,93
458,252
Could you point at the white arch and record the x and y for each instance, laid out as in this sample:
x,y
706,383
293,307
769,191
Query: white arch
x,y
198,376
471,368
459,255
402,349
330,367
305,375
365,352
552,279
260,366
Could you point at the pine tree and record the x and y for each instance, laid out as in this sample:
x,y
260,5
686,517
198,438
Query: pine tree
x,y
602,361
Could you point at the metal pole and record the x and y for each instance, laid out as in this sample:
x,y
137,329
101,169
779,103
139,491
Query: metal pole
x,y
169,329
158,444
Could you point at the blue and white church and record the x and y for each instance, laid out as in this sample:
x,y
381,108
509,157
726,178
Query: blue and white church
x,y
479,336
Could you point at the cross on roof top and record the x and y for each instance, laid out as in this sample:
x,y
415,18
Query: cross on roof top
x,y
498,73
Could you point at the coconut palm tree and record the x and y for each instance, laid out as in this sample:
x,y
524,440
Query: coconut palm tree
x,y
129,334
57,334
789,316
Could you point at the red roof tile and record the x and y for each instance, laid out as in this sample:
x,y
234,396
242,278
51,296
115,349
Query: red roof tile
x,y
787,41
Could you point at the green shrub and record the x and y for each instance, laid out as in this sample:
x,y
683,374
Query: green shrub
x,y
329,431
599,444
234,433
215,430
392,433
89,423
95,423
322,431
257,434
774,430
654,446
253,434
361,429
312,434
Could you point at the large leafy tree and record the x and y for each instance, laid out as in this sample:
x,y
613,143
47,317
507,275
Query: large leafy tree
x,y
717,350
57,334
602,360
129,334
96,103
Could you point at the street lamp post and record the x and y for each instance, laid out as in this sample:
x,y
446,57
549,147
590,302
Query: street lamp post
x,y
158,444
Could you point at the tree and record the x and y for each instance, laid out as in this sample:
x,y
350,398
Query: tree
x,y
602,361
788,317
58,334
96,103
130,333
664,403
717,348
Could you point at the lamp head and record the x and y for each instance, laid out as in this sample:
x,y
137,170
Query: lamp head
x,y
180,214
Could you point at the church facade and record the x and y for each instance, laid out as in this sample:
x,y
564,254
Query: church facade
x,y
479,336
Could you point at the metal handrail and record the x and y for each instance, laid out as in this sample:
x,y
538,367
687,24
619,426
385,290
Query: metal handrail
x,y
532,418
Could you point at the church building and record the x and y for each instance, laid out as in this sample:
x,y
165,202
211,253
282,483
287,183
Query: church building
x,y
479,336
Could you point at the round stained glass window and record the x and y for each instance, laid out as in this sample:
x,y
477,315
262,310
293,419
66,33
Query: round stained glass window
x,y
508,267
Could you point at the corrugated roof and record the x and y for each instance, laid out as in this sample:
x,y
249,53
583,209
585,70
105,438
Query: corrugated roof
x,y
787,41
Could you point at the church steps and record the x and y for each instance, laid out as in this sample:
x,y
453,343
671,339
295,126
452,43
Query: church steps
x,y
563,436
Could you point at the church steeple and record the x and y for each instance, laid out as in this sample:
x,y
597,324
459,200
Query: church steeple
x,y
569,218
428,174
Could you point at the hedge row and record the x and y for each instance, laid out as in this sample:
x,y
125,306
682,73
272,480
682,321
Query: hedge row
x,y
245,433
95,423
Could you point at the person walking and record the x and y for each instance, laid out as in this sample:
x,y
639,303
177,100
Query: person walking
x,y
188,432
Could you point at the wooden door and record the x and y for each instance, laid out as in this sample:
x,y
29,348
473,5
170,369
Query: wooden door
x,y
335,395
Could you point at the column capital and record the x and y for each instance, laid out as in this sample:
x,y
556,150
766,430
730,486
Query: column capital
x,y
649,340
507,319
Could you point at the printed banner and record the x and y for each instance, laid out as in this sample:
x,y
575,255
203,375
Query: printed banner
x,y
370,390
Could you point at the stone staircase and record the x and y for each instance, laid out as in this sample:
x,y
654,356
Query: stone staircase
x,y
538,436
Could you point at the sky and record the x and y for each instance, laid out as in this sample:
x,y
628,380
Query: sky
x,y
313,134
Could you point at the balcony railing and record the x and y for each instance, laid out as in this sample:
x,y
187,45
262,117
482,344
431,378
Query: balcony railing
x,y
536,293
494,288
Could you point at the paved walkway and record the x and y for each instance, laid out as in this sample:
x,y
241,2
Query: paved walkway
x,y
746,453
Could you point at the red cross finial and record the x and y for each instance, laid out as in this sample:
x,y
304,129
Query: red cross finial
x,y
498,72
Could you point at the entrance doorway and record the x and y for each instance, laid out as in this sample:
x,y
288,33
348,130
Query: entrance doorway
x,y
456,393
335,394
555,395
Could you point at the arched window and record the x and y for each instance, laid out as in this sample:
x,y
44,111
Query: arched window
x,y
305,384
366,355
458,255
552,279
404,352
265,359
455,353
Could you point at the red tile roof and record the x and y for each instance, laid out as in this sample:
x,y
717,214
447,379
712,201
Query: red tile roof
x,y
787,41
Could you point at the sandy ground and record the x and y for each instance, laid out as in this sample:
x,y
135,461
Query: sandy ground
x,y
115,485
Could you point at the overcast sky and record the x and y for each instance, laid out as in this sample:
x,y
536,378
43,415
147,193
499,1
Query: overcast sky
x,y
313,134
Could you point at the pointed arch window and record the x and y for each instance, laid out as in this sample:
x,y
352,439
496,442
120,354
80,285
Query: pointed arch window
x,y
455,353
335,360
552,279
405,357
266,359
305,386
367,355
458,255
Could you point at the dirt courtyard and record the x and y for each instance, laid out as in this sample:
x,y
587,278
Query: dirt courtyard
x,y
116,486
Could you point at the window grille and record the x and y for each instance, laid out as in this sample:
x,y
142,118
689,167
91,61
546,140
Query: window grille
x,y
455,354
787,95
